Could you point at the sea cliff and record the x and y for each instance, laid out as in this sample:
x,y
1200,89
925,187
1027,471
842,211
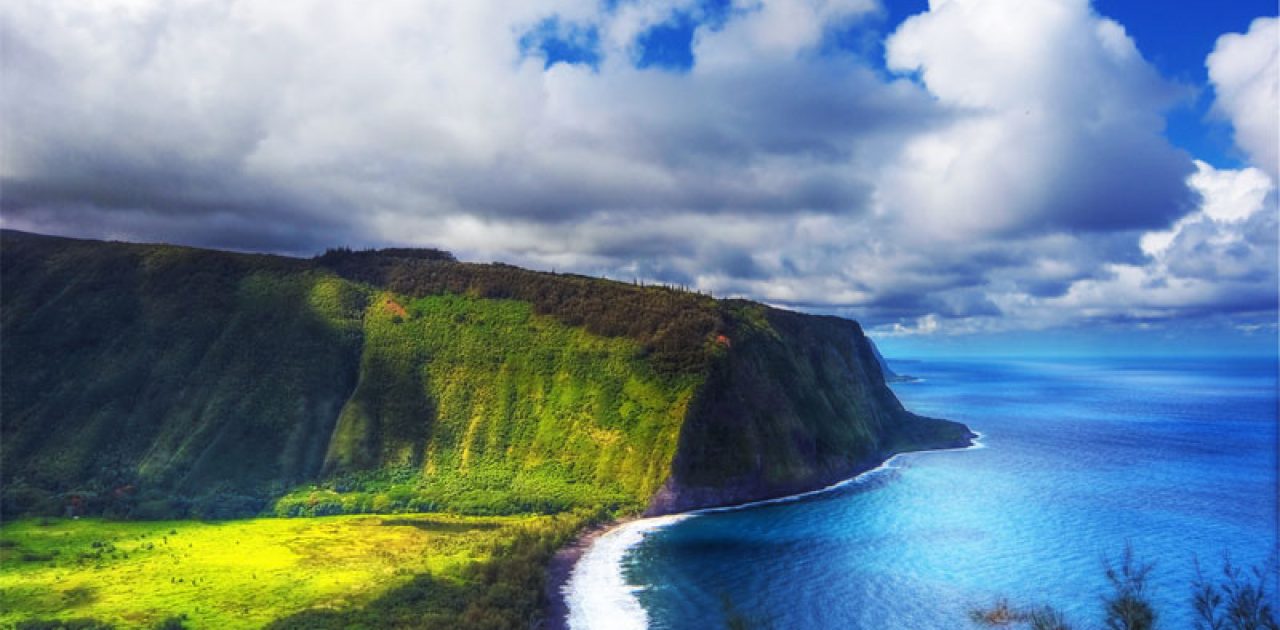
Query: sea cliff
x,y
154,381
799,403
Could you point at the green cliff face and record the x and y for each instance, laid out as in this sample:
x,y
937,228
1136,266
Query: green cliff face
x,y
151,371
480,405
158,381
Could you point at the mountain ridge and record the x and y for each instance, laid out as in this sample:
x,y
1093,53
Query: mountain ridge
x,y
150,381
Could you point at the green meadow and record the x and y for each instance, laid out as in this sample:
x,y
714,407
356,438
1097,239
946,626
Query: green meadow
x,y
256,572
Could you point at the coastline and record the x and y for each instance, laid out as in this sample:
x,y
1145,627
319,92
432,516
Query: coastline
x,y
561,568
567,561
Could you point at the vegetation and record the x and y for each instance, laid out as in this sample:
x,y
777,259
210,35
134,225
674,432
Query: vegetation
x,y
797,400
482,407
505,591
248,573
152,382
673,327
159,382
193,383
1128,608
1237,600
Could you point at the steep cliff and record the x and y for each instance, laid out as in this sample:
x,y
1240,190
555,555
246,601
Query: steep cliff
x,y
798,402
158,381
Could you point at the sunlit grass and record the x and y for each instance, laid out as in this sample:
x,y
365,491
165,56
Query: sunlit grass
x,y
227,574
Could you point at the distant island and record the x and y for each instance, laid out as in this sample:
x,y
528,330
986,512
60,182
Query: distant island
x,y
148,383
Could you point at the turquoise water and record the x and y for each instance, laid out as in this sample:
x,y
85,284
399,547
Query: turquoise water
x,y
1175,457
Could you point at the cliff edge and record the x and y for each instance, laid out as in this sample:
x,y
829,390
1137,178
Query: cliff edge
x,y
797,403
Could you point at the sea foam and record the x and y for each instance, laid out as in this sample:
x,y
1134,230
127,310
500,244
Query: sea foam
x,y
597,592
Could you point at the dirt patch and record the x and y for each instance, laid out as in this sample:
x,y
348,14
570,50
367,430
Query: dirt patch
x,y
394,308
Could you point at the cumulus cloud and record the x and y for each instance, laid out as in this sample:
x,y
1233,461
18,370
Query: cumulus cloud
x,y
1059,123
1228,197
1221,258
1012,155
1245,72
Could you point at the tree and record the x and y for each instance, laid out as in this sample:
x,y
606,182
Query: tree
x,y
1238,602
1127,608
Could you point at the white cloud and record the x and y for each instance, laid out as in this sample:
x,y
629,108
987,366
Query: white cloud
x,y
1017,158
1227,196
924,325
1059,124
1220,258
363,119
1230,195
1245,72
778,29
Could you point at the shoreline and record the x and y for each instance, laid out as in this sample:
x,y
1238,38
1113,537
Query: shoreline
x,y
560,569
567,560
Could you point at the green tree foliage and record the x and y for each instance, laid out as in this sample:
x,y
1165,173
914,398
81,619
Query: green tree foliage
x,y
794,399
483,407
155,381
140,377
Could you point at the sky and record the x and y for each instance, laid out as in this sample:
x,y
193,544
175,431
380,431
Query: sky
x,y
962,176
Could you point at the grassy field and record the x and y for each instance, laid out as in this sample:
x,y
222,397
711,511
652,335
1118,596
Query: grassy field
x,y
234,574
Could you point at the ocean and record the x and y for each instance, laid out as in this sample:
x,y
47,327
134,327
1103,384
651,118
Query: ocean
x,y
1079,458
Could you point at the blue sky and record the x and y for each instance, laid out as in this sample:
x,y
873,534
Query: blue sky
x,y
967,176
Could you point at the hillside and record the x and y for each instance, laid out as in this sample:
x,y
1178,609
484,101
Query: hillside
x,y
154,381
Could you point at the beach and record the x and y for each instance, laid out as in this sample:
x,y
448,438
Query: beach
x,y
586,582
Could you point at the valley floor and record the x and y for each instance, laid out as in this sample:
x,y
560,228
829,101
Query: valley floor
x,y
335,571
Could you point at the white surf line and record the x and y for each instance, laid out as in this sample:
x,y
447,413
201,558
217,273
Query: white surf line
x,y
597,593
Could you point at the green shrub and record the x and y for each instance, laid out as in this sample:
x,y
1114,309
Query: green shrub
x,y
1237,600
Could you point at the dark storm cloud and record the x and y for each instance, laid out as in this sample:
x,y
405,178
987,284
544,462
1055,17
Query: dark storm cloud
x,y
172,202
219,231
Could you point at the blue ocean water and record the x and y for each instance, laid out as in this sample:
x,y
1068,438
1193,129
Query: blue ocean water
x,y
1175,457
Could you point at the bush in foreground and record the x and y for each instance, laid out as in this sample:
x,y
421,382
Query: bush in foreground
x,y
1237,599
